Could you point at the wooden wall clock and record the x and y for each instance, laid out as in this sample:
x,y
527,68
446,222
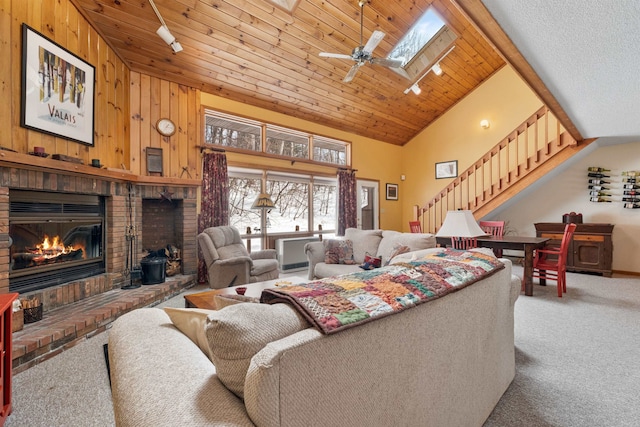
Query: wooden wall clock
x,y
165,127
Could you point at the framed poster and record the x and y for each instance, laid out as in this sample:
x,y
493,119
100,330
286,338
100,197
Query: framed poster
x,y
392,191
447,169
57,89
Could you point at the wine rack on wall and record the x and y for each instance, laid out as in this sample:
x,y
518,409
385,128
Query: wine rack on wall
x,y
603,187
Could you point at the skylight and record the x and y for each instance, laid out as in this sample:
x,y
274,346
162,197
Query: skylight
x,y
428,41
418,37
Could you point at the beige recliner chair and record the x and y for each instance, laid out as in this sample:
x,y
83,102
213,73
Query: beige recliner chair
x,y
228,262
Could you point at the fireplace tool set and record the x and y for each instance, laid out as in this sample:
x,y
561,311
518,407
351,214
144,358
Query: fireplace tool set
x,y
131,268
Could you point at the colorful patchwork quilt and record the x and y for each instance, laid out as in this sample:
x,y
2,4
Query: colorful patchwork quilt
x,y
335,303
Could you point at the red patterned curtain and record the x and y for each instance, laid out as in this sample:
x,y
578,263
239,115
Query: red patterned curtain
x,y
347,201
214,209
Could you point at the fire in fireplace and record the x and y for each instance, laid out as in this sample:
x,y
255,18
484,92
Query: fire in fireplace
x,y
55,238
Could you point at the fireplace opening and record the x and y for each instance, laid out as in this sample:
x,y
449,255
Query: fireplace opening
x,y
55,238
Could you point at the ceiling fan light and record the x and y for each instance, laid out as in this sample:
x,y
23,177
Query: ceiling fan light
x,y
436,69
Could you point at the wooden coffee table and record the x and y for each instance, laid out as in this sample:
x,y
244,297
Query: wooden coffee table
x,y
206,299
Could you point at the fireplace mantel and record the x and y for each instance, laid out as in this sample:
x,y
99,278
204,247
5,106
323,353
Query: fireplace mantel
x,y
31,162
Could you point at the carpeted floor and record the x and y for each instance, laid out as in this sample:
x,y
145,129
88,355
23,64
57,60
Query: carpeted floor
x,y
576,359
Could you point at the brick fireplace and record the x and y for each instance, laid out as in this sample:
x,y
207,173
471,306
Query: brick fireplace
x,y
161,215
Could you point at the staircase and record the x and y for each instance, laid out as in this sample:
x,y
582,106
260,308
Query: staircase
x,y
530,151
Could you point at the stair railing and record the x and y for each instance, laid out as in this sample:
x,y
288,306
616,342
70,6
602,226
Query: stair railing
x,y
527,147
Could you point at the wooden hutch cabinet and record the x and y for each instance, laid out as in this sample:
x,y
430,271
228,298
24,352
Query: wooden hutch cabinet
x,y
591,248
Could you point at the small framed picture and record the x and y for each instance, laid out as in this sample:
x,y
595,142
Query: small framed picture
x,y
392,191
447,169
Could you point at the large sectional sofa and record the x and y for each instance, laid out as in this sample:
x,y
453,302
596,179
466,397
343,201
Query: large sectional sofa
x,y
382,244
442,363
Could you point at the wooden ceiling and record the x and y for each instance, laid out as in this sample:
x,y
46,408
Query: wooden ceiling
x,y
257,53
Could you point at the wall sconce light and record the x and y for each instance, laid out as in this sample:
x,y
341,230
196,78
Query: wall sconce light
x,y
164,32
436,69
484,124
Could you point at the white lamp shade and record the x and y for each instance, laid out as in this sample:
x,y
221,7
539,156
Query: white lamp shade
x,y
460,224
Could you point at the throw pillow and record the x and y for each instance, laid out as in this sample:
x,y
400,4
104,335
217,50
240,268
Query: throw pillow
x,y
221,301
191,322
371,262
337,251
397,250
237,332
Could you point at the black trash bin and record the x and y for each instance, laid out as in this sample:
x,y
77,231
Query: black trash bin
x,y
153,270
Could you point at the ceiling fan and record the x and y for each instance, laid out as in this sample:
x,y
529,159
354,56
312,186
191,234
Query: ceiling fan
x,y
363,53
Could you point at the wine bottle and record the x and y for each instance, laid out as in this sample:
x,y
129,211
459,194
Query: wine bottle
x,y
597,169
632,205
630,180
599,194
631,173
630,192
631,199
599,181
631,187
598,187
598,175
600,200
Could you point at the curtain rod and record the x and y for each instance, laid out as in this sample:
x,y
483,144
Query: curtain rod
x,y
204,147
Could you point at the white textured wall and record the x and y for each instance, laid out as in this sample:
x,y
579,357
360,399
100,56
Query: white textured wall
x,y
565,189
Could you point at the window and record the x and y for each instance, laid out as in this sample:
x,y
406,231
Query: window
x,y
230,131
233,132
284,142
303,203
427,42
329,151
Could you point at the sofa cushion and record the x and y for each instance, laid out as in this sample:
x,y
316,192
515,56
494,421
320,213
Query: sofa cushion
x,y
415,242
327,270
191,322
363,241
237,332
338,251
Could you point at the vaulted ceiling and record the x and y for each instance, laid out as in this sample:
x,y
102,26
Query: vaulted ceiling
x,y
258,53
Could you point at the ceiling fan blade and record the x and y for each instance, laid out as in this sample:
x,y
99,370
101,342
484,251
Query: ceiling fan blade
x,y
334,55
391,63
352,72
373,42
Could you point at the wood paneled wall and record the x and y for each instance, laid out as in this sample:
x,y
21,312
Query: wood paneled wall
x,y
151,99
61,22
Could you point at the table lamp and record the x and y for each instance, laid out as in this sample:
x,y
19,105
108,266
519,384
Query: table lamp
x,y
463,229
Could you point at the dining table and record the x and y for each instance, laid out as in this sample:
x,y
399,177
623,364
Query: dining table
x,y
522,243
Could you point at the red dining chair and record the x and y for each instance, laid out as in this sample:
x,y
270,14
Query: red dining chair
x,y
493,228
415,226
552,263
464,242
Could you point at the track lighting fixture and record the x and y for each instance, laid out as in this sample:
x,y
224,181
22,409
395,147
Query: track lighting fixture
x,y
415,89
435,68
164,32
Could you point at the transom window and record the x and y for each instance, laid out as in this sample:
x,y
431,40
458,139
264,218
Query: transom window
x,y
228,131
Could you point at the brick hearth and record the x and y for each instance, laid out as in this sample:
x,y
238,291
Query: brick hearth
x,y
62,328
